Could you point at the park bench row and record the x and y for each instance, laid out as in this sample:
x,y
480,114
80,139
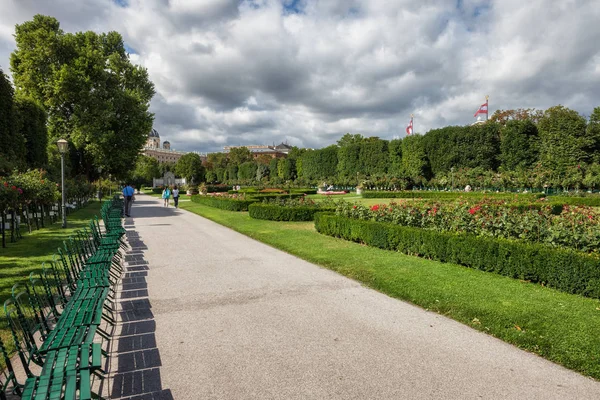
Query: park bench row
x,y
63,317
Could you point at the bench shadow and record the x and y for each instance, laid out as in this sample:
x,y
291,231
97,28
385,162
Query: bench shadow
x,y
134,370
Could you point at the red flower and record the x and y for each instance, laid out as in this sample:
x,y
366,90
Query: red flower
x,y
13,187
20,191
354,207
375,207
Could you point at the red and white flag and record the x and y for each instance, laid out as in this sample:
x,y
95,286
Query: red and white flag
x,y
409,127
483,109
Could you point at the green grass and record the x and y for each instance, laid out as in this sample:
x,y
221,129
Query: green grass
x,y
561,327
19,259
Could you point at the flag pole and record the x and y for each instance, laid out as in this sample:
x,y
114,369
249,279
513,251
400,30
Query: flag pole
x,y
412,124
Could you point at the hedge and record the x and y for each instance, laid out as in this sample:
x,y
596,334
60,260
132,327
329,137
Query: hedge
x,y
223,203
566,270
274,212
303,191
271,196
218,188
576,201
445,195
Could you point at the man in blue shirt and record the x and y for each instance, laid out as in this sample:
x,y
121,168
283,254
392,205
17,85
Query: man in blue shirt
x,y
128,196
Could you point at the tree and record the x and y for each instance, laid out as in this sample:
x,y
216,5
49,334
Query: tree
x,y
189,166
319,164
12,143
593,134
247,171
519,145
94,96
146,168
31,124
414,160
502,117
373,157
395,154
563,139
239,155
349,139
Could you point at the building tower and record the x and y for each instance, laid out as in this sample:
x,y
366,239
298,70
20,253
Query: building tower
x,y
153,140
167,145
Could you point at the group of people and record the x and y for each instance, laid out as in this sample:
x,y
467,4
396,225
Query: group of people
x,y
166,195
129,197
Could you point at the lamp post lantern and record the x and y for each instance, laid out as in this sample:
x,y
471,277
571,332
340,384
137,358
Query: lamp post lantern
x,y
63,147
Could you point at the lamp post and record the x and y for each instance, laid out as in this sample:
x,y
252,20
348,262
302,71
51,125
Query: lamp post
x,y
63,146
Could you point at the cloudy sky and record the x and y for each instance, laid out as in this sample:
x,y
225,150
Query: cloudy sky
x,y
241,72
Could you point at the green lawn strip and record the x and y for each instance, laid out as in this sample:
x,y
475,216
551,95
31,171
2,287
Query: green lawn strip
x,y
19,259
558,326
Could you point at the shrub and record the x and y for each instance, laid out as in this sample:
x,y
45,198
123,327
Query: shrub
x,y
446,195
567,270
276,212
269,196
224,203
303,191
218,188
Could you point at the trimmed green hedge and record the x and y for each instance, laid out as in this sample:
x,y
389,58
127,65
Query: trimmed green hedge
x,y
575,201
304,191
271,196
223,203
274,212
157,190
567,270
445,195
218,188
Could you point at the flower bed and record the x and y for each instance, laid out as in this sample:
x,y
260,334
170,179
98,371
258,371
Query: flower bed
x,y
416,194
559,226
564,269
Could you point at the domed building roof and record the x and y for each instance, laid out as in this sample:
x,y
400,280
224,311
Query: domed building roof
x,y
153,133
166,142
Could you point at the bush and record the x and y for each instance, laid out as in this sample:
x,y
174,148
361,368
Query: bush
x,y
218,188
303,191
446,195
157,190
575,201
269,196
274,212
224,203
566,270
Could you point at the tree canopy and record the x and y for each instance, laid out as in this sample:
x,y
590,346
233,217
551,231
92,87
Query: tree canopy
x,y
93,95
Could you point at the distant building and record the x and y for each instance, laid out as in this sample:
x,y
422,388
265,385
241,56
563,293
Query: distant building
x,y
164,154
279,151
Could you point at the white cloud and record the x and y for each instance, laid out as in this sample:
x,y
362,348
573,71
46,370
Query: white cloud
x,y
254,71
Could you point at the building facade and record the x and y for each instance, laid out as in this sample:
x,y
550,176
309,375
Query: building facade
x,y
163,154
279,151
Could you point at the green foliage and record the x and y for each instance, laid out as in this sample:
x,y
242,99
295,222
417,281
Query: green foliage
x,y
286,169
349,139
566,270
395,154
189,166
373,156
12,143
37,188
247,171
94,96
275,212
228,204
593,135
218,188
519,145
239,155
319,164
418,194
414,159
31,125
146,169
563,139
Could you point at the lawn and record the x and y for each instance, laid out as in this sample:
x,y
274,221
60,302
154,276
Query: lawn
x,y
19,259
558,326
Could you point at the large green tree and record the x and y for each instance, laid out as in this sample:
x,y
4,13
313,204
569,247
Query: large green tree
x,y
94,96
519,145
12,143
146,168
31,124
414,159
189,166
564,141
593,134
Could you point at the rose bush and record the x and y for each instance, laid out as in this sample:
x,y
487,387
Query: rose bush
x,y
575,227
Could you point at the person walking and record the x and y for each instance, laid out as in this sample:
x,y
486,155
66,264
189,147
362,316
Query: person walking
x,y
166,194
176,197
128,192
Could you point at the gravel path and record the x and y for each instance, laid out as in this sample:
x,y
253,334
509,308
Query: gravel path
x,y
233,318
